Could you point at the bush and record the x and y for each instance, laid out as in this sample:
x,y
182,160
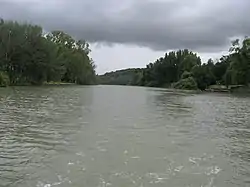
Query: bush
x,y
186,74
152,84
186,84
4,79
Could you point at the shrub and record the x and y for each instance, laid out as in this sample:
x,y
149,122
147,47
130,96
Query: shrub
x,y
187,84
186,74
4,79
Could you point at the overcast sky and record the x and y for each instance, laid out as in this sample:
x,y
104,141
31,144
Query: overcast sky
x,y
132,33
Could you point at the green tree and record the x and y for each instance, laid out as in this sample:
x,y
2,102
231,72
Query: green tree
x,y
73,55
169,69
220,68
187,84
4,79
239,58
183,69
30,57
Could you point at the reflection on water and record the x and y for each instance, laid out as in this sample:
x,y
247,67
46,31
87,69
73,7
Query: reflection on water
x,y
122,136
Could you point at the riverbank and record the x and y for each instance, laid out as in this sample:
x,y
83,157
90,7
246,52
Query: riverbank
x,y
58,83
229,89
214,89
43,84
211,89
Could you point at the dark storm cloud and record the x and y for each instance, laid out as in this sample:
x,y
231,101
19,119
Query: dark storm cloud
x,y
202,25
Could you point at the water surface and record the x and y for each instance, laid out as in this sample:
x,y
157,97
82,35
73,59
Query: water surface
x,y
100,136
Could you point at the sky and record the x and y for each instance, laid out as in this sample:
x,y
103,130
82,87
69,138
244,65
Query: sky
x,y
133,33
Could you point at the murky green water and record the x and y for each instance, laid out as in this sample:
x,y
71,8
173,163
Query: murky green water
x,y
116,136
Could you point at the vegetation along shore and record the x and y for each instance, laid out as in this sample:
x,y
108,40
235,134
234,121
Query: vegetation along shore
x,y
183,69
28,56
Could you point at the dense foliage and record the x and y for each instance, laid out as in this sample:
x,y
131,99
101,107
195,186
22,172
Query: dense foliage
x,y
169,69
183,69
4,79
28,56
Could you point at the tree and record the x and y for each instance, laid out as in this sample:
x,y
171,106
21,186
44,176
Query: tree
x,y
187,84
239,58
220,68
29,57
169,69
79,68
183,69
4,79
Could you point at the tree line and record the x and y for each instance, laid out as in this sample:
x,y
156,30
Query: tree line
x,y
30,56
183,69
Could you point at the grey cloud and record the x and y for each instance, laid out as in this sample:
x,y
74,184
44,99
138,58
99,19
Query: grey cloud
x,y
201,25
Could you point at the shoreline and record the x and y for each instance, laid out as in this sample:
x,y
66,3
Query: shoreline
x,y
223,90
230,90
40,85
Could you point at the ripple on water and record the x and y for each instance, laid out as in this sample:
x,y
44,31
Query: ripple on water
x,y
134,137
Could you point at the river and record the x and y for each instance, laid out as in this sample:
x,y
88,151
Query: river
x,y
100,136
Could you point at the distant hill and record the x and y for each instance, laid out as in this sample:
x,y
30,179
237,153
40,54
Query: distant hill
x,y
131,76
